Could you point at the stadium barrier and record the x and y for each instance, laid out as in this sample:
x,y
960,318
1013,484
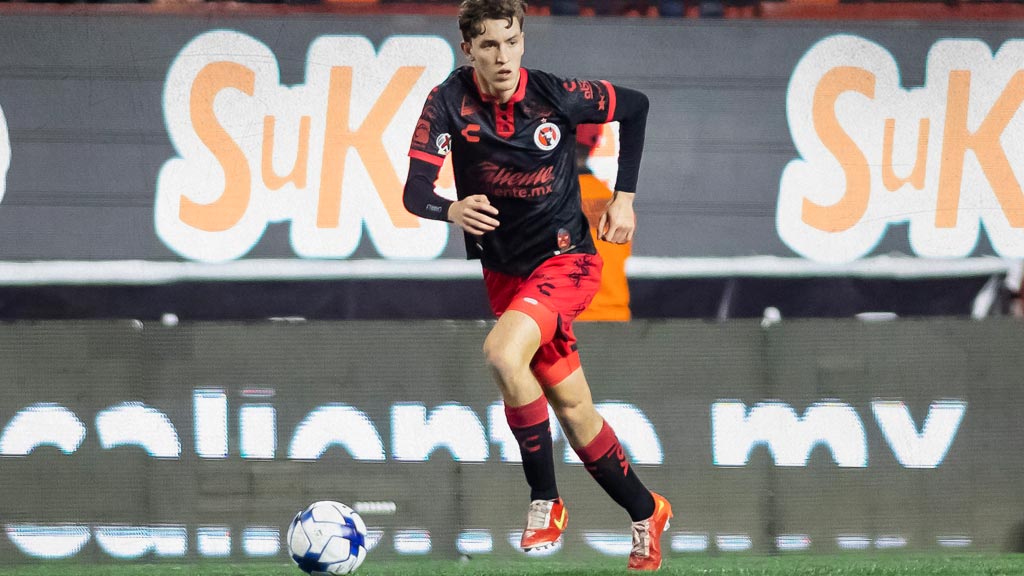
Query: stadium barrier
x,y
126,440
736,162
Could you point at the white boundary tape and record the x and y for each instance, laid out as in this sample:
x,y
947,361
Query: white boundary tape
x,y
158,272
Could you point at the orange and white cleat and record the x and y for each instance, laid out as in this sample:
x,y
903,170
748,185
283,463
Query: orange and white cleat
x,y
545,523
646,552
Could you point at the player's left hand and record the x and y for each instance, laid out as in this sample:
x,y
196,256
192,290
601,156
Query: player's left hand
x,y
618,223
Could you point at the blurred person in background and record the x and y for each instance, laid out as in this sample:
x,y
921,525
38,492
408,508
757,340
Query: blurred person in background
x,y
511,133
611,303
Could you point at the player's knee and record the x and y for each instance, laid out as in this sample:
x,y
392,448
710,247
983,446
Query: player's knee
x,y
574,411
566,412
500,357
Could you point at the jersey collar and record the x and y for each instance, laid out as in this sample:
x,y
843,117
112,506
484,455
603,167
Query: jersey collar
x,y
519,94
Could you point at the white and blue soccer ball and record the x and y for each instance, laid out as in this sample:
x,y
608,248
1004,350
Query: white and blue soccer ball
x,y
327,538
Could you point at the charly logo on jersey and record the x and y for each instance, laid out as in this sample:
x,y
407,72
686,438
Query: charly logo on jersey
x,y
944,158
547,136
444,143
326,157
5,153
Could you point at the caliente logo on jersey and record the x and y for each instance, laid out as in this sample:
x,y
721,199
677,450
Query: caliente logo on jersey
x,y
547,136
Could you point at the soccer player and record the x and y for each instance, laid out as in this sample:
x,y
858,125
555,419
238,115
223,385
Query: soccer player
x,y
511,133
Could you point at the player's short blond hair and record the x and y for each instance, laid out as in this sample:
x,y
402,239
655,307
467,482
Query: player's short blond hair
x,y
472,14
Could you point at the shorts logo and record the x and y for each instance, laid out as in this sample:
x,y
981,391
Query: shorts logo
x,y
529,300
444,143
547,136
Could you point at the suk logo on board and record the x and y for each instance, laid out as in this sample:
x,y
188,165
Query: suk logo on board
x,y
946,157
329,155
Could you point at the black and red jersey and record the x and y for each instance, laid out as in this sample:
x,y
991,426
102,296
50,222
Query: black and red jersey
x,y
521,155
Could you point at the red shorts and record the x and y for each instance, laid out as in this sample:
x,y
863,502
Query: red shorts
x,y
553,295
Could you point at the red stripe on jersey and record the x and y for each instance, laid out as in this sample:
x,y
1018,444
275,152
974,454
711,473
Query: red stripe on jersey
x,y
611,99
435,160
504,114
517,96
505,120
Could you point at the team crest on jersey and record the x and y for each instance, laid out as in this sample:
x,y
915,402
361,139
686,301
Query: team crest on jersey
x,y
564,240
547,136
444,143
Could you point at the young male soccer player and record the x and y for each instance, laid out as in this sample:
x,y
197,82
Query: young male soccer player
x,y
511,132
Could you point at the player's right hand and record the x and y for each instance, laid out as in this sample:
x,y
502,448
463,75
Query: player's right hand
x,y
474,214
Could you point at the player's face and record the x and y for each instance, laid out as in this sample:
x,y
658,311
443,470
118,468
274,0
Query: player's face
x,y
496,55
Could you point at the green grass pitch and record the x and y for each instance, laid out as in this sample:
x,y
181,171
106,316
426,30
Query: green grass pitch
x,y
784,565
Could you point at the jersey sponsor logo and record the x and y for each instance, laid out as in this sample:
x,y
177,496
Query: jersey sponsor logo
x,y
506,183
327,156
444,143
945,158
547,136
5,153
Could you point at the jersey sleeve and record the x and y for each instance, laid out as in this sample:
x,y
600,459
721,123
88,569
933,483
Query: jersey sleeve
x,y
419,196
432,140
600,102
588,101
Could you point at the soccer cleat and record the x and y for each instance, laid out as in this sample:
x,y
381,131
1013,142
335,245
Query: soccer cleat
x,y
646,552
544,524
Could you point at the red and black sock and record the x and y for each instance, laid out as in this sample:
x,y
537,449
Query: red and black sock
x,y
532,429
606,461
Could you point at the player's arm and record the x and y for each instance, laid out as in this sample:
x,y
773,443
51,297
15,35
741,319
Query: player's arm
x,y
419,196
618,223
431,142
474,214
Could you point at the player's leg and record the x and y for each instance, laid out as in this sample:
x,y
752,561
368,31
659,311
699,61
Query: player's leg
x,y
573,404
597,445
509,348
599,448
556,365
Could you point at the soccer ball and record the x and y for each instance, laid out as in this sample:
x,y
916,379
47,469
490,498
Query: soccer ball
x,y
327,538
